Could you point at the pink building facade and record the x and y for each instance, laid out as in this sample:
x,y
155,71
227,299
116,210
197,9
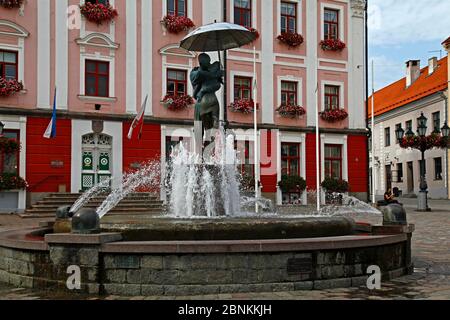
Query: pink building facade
x,y
103,72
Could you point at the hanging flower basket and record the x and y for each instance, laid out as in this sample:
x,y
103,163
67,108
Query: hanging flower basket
x,y
9,145
243,106
177,103
332,45
177,24
253,30
291,111
10,4
291,39
98,12
425,143
334,115
10,181
9,87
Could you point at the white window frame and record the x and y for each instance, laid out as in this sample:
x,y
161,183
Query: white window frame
x,y
112,74
234,74
112,24
341,93
254,13
299,82
341,9
289,137
299,15
189,8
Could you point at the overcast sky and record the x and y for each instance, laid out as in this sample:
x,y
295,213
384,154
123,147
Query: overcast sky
x,y
401,30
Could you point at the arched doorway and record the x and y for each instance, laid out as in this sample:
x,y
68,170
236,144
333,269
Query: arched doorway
x,y
96,159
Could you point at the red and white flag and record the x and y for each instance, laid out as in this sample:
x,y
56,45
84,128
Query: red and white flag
x,y
139,120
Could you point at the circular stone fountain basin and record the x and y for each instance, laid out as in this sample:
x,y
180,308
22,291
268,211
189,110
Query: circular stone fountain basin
x,y
141,228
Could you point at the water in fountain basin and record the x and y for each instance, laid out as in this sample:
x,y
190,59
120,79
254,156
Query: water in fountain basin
x,y
148,177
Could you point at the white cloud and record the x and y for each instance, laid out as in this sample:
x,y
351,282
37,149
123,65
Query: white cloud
x,y
394,22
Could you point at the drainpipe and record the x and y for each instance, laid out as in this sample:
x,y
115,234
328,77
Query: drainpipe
x,y
366,19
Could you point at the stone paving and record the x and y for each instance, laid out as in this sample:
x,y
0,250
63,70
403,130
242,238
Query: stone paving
x,y
431,280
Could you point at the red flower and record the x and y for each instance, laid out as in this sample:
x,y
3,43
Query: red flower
x,y
291,39
9,4
98,12
253,30
11,181
9,145
332,45
243,105
291,111
334,115
177,24
9,87
176,103
425,143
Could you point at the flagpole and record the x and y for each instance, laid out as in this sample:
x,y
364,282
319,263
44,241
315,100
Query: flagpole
x,y
255,119
373,135
318,162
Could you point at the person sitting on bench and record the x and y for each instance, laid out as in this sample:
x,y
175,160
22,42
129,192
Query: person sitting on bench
x,y
389,197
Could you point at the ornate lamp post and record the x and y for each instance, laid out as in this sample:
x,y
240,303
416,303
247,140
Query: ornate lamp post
x,y
421,143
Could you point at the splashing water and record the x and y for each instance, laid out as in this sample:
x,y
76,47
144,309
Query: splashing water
x,y
89,194
148,177
208,188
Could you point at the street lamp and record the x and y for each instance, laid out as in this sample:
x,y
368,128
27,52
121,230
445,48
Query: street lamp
x,y
423,194
445,130
399,134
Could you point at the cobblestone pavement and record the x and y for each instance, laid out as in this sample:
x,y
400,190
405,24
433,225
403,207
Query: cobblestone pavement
x,y
431,280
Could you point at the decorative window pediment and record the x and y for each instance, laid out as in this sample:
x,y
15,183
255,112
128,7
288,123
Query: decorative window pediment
x,y
175,50
97,40
12,29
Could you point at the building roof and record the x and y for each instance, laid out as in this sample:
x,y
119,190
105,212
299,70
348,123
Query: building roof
x,y
397,95
446,42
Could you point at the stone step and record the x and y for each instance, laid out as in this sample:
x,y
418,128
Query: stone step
x,y
27,215
97,202
125,206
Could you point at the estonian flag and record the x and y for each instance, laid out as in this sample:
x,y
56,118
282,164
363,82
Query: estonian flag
x,y
138,120
51,129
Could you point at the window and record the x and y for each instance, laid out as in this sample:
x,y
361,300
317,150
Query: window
x,y
331,27
9,163
242,88
98,1
288,17
289,93
437,122
246,157
332,97
97,78
399,172
437,168
243,12
290,166
176,82
397,126
333,161
388,169
408,126
387,137
177,8
8,64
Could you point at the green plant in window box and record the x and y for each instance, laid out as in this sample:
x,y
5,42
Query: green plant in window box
x,y
11,181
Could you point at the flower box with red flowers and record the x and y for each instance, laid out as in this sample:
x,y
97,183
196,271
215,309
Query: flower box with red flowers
x,y
291,39
177,24
98,12
425,143
177,103
253,30
291,111
9,87
11,181
10,4
334,115
243,106
8,146
332,45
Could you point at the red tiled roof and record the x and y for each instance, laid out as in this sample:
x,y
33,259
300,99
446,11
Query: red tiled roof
x,y
446,42
397,95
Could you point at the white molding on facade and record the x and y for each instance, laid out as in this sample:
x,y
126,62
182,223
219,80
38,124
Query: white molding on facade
x,y
324,6
267,58
289,137
61,54
131,57
234,74
312,76
299,82
112,24
341,93
336,69
19,31
166,65
146,57
336,140
165,51
83,127
299,15
97,56
43,54
86,41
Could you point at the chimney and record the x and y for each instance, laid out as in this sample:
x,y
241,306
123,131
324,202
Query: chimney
x,y
412,72
432,65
